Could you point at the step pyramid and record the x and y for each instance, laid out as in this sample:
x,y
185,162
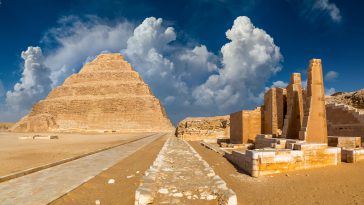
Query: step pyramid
x,y
107,95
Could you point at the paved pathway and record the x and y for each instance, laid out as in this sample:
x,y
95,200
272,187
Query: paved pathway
x,y
47,185
180,176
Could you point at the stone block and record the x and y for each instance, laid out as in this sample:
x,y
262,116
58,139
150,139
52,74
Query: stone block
x,y
245,125
352,155
344,141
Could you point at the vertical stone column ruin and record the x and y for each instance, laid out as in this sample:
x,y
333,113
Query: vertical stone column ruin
x,y
274,111
294,117
314,127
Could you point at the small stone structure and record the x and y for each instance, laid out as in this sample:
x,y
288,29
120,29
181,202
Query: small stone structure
x,y
274,110
261,162
201,128
245,125
344,141
294,117
40,137
107,95
314,128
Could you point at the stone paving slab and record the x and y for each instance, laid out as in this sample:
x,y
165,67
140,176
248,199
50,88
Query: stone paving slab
x,y
47,185
180,176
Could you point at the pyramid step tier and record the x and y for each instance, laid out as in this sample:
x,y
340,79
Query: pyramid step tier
x,y
101,89
102,76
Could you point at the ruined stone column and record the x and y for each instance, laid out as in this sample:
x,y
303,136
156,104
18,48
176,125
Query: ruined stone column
x,y
294,117
314,127
274,110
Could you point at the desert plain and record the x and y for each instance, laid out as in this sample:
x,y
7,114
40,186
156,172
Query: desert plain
x,y
111,142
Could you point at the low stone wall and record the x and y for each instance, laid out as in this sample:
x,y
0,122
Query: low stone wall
x,y
270,161
202,128
344,120
342,141
352,155
268,141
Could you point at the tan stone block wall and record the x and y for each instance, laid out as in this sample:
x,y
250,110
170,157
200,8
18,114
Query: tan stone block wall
x,y
265,162
352,155
347,142
236,127
201,128
274,111
245,125
344,120
294,117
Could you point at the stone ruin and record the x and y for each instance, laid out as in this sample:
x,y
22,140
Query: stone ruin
x,y
203,128
288,132
107,95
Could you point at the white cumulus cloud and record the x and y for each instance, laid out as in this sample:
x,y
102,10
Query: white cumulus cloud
x,y
79,39
331,76
249,60
330,91
279,84
330,8
34,83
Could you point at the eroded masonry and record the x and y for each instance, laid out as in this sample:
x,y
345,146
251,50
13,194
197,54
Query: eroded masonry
x,y
294,129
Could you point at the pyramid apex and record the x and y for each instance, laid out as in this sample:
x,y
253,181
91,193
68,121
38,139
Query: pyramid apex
x,y
109,56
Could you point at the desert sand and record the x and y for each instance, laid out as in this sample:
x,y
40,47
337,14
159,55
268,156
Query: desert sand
x,y
127,175
17,155
342,184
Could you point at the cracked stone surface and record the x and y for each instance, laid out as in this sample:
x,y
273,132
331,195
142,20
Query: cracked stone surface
x,y
182,177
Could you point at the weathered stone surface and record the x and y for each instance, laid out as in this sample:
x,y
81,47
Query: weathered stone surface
x,y
107,95
314,126
269,161
179,175
6,126
344,141
352,155
200,128
294,117
344,120
245,125
353,99
274,110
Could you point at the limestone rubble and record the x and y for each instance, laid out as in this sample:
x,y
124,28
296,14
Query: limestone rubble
x,y
107,95
200,128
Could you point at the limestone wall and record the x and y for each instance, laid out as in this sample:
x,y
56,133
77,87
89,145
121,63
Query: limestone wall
x,y
294,117
201,128
265,162
274,110
344,120
245,125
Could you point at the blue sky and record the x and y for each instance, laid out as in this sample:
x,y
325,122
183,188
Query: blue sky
x,y
184,64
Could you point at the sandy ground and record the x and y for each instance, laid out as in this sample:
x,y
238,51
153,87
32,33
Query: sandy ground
x,y
343,184
123,190
17,155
